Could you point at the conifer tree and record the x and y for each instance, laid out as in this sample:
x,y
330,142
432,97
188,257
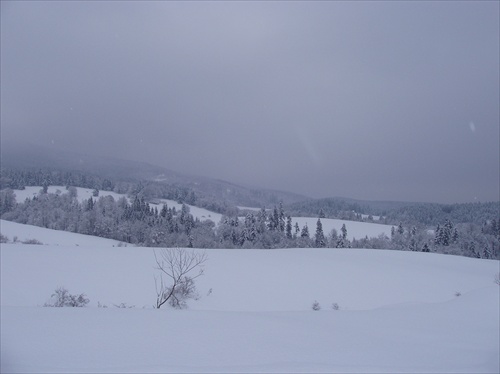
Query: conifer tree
x,y
297,228
320,236
401,230
289,227
305,232
344,232
281,218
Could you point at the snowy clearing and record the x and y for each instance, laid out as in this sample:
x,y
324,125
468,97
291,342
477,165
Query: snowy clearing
x,y
355,229
398,311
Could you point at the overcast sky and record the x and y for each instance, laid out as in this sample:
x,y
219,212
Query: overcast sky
x,y
373,100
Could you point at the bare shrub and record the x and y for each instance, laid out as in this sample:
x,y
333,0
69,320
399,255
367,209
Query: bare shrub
x,y
32,241
335,306
316,306
123,306
176,264
62,298
3,239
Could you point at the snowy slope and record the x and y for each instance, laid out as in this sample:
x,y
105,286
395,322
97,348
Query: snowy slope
x,y
398,311
51,237
85,193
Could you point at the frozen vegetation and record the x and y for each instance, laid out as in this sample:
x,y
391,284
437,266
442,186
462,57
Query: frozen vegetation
x,y
146,217
379,310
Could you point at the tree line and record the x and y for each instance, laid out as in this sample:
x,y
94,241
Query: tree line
x,y
141,223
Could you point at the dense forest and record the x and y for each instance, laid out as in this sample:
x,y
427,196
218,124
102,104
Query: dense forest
x,y
464,229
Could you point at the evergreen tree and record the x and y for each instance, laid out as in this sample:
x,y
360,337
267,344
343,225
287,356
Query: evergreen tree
x,y
343,242
289,227
437,235
261,221
305,232
321,213
401,230
281,218
297,229
344,232
90,204
320,241
454,237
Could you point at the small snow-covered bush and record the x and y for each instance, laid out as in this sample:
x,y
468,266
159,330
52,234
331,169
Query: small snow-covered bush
x,y
335,306
185,290
62,298
124,306
458,293
3,239
316,306
32,241
497,278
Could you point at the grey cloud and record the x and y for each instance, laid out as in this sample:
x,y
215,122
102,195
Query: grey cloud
x,y
369,100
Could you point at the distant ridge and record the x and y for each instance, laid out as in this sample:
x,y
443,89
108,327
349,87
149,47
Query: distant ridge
x,y
30,156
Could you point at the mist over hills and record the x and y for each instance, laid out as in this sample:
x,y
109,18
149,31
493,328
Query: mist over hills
x,y
32,157
35,157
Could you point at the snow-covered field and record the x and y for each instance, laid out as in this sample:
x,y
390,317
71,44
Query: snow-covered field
x,y
398,311
355,229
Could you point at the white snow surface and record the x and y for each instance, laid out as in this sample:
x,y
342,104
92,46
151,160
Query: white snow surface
x,y
399,312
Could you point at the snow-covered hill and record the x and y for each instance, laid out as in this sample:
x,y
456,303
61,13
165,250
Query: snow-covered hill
x,y
86,193
399,311
355,229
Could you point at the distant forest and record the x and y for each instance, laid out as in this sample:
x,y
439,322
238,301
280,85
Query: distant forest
x,y
429,214
463,229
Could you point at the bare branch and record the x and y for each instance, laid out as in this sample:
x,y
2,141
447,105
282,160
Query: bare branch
x,y
177,263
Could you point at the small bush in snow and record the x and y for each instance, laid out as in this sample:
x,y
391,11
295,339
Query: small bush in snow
x,y
335,306
316,305
124,306
3,239
32,241
457,294
497,278
176,263
185,290
62,298
99,305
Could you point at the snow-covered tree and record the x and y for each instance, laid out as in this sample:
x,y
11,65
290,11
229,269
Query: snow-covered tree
x,y
320,240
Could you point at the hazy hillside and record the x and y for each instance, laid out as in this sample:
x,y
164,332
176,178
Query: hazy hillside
x,y
29,157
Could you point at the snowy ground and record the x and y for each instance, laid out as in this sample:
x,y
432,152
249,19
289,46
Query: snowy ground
x,y
399,311
355,229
